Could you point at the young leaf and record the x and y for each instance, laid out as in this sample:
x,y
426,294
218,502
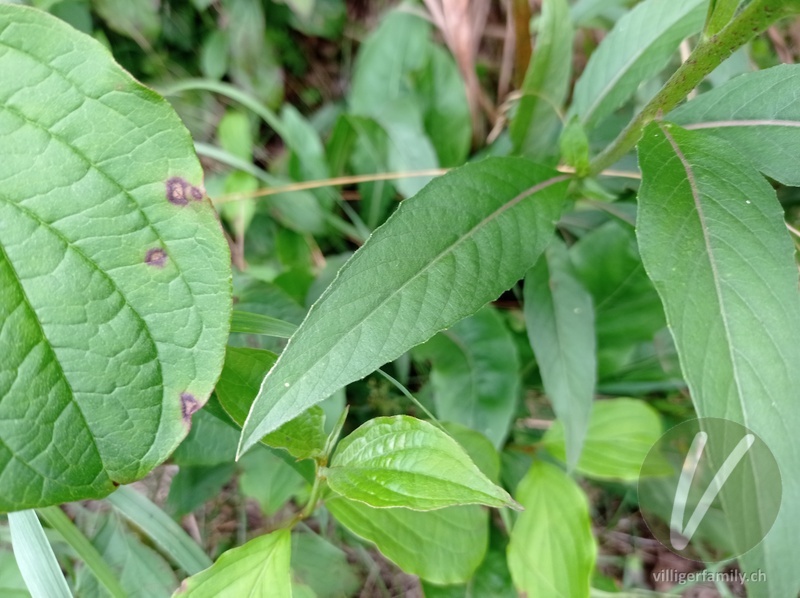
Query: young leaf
x,y
37,563
443,546
114,274
560,320
713,241
534,124
259,568
552,551
620,434
475,374
638,47
759,114
575,147
401,461
419,273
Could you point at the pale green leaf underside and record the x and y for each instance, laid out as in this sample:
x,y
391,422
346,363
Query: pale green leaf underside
x,y
638,47
559,316
259,569
446,252
443,546
713,241
552,550
621,432
757,112
401,461
114,301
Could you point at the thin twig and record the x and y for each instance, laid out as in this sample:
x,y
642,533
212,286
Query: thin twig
x,y
384,176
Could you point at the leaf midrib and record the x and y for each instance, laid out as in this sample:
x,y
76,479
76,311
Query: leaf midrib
x,y
259,428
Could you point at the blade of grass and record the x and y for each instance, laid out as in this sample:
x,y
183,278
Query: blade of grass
x,y
251,323
37,563
161,529
58,520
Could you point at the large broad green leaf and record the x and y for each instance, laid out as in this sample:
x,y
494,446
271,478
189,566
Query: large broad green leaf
x,y
458,244
544,89
401,461
260,569
322,566
442,546
713,241
475,374
114,274
552,551
560,320
638,47
620,434
758,113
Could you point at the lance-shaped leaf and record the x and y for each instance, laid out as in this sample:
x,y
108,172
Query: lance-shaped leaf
x,y
560,320
544,89
638,47
757,112
114,274
475,374
258,568
551,551
446,252
713,241
401,461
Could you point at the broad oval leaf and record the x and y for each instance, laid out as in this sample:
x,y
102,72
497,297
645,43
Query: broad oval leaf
x,y
401,461
619,436
559,316
258,568
758,113
638,47
114,275
713,241
475,374
445,546
551,551
444,253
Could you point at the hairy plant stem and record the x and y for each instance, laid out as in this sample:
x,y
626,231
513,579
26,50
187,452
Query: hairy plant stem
x,y
709,53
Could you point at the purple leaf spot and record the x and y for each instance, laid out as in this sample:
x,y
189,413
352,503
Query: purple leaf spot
x,y
176,191
180,191
189,405
156,257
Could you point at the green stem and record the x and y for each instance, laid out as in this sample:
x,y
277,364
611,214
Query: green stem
x,y
316,493
709,53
